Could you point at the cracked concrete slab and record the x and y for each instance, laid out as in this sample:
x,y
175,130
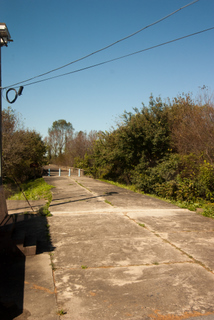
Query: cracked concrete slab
x,y
98,241
122,197
173,220
200,247
135,292
69,194
188,231
138,258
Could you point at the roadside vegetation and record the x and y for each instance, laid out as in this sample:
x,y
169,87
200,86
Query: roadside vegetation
x,y
35,190
23,151
165,150
207,207
23,155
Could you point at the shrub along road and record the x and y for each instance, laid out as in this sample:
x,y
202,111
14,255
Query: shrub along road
x,y
121,255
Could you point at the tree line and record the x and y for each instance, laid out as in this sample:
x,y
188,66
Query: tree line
x,y
165,148
64,146
24,152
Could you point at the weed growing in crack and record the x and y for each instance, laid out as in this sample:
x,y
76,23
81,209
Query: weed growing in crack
x,y
44,211
142,225
53,266
108,202
51,254
61,312
81,185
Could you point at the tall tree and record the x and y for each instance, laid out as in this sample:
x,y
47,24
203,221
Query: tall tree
x,y
192,127
58,136
77,146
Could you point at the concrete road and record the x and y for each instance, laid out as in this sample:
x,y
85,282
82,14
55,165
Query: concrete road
x,y
121,255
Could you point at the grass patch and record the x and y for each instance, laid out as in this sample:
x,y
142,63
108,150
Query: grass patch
x,y
208,208
34,190
121,185
84,267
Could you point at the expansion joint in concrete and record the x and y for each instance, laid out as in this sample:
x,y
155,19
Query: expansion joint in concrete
x,y
127,266
54,281
99,198
82,186
173,245
184,252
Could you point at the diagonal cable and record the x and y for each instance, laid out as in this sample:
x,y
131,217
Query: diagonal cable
x,y
104,48
121,57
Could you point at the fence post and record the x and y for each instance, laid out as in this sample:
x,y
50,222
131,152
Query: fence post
x,y
49,172
69,172
78,172
59,172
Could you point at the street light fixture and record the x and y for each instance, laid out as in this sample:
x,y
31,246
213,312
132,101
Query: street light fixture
x,y
4,39
4,34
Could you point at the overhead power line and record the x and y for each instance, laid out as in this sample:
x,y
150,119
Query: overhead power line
x,y
104,48
121,57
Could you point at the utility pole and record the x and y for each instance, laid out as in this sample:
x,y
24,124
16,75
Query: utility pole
x,y
4,39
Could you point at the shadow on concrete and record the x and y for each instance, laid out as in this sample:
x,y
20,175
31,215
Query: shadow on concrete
x,y
111,193
12,261
78,200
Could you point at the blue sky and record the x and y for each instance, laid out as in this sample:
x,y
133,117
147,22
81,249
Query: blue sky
x,y
48,34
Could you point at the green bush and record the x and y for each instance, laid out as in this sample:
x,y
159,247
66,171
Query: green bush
x,y
209,210
166,190
187,189
194,181
158,179
205,181
176,177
